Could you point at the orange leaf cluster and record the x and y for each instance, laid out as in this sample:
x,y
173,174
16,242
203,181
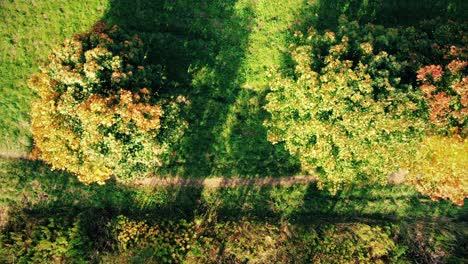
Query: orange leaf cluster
x,y
446,94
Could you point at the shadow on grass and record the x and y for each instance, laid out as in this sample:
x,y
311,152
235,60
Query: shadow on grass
x,y
202,45
389,13
37,190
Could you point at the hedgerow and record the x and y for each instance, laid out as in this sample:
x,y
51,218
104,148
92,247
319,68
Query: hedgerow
x,y
99,112
248,241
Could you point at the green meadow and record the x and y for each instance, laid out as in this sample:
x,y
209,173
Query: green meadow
x,y
218,55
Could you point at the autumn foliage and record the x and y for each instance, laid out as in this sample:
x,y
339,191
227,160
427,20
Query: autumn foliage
x,y
345,112
440,167
446,92
98,113
363,101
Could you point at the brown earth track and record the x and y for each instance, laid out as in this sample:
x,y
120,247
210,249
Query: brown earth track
x,y
7,154
211,183
221,182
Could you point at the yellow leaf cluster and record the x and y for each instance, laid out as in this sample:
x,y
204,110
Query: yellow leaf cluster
x,y
440,169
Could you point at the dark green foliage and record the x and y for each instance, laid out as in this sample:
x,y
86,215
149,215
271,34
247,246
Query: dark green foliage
x,y
389,13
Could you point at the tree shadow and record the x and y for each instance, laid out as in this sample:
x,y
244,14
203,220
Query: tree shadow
x,y
39,191
376,203
243,143
388,13
202,45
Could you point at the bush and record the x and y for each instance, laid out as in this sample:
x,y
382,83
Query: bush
x,y
45,241
166,242
99,112
446,92
439,169
252,242
347,111
357,243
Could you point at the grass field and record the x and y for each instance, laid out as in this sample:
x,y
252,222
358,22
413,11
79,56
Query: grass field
x,y
28,32
217,54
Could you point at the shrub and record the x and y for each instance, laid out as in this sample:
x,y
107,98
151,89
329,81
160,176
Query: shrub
x,y
252,242
345,111
439,169
357,243
446,92
45,241
99,113
166,242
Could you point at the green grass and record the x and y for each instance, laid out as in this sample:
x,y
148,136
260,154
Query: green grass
x,y
28,32
216,53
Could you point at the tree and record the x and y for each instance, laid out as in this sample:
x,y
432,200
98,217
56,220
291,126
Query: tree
x,y
98,112
345,111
